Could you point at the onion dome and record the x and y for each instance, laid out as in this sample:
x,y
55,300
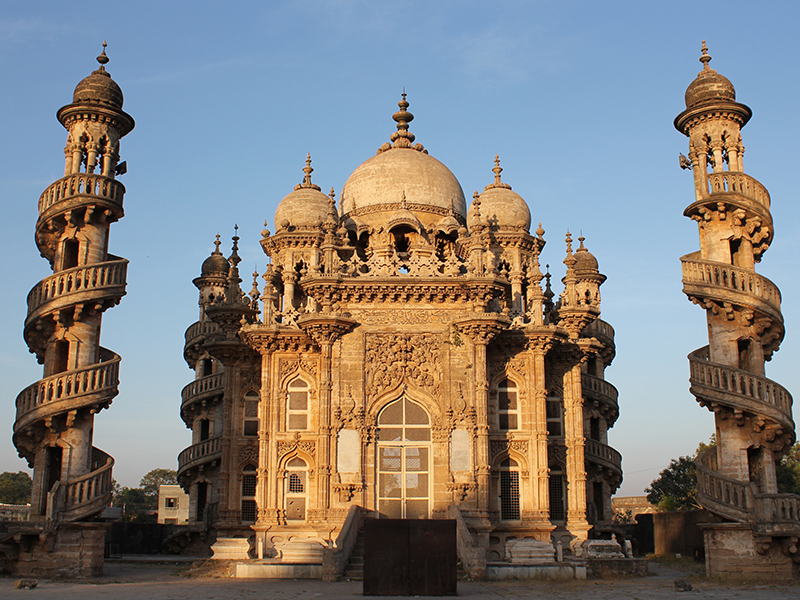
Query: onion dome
x,y
400,170
306,206
501,207
215,265
585,262
99,88
709,86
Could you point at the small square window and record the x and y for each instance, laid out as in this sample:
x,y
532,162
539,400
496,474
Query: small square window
x,y
171,502
251,428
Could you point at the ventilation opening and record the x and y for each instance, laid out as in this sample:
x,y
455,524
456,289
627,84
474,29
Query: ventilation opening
x,y
205,429
202,491
61,362
594,426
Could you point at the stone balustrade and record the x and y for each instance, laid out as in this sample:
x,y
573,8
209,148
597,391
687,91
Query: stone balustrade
x,y
82,184
729,497
199,453
739,183
82,493
751,288
201,328
89,278
739,388
101,380
600,329
203,388
604,454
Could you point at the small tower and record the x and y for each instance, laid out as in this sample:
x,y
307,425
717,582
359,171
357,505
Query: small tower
x,y
55,416
753,418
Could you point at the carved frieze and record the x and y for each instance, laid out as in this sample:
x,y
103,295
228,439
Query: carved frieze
x,y
248,454
413,358
287,366
498,447
285,447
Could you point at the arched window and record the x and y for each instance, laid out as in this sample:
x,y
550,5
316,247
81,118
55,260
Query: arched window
x,y
297,406
403,465
250,414
558,497
295,493
507,405
509,490
249,480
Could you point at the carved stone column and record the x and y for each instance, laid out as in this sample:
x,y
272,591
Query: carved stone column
x,y
481,329
576,466
324,329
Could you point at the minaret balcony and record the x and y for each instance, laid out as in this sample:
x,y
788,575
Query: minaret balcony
x,y
603,455
724,283
736,182
716,385
90,387
90,283
75,189
600,390
90,494
601,330
199,454
202,389
199,330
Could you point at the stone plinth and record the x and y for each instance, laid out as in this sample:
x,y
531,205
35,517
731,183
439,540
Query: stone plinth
x,y
231,549
530,552
732,549
73,550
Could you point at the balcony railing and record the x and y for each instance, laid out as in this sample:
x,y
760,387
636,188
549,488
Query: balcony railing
x,y
203,388
729,497
201,328
738,388
90,493
739,183
81,184
599,328
69,385
743,285
599,452
201,452
78,280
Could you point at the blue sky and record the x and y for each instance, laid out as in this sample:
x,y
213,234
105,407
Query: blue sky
x,y
577,98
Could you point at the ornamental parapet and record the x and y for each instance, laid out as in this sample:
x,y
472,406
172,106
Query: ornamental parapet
x,y
603,455
705,279
600,390
201,453
716,385
90,387
79,284
82,186
736,182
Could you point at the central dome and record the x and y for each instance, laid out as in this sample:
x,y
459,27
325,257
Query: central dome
x,y
402,174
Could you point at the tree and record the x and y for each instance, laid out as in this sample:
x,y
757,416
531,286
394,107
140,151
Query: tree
x,y
676,486
15,488
788,472
155,478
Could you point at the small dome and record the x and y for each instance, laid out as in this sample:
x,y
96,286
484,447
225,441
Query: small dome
x,y
216,264
709,86
306,206
585,262
99,88
501,207
400,170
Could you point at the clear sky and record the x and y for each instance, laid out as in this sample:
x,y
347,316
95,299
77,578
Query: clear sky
x,y
577,98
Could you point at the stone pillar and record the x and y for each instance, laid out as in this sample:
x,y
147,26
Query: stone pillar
x,y
577,524
263,433
538,348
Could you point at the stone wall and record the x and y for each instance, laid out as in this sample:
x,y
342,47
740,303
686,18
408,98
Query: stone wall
x,y
74,550
732,549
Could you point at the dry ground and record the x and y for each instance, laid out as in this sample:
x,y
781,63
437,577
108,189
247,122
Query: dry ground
x,y
136,581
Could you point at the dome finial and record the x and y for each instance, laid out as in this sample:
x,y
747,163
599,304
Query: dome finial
x,y
497,170
217,244
103,59
569,243
308,170
705,58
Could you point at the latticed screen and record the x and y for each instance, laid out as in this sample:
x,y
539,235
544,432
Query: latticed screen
x,y
508,408
553,408
249,485
509,495
297,406
557,508
296,483
248,510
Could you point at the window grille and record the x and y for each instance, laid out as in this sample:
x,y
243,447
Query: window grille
x,y
507,405
509,495
249,485
249,511
297,406
557,504
295,483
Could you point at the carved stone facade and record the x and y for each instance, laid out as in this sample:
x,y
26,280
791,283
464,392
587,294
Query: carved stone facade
x,y
410,355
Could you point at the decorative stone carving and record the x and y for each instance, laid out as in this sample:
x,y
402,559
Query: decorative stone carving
x,y
248,454
392,359
499,447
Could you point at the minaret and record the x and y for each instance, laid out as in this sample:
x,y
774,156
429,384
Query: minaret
x,y
55,416
753,419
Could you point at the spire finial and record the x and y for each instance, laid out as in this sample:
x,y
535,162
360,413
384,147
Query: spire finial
x,y
580,239
402,138
308,170
103,59
497,169
234,258
569,243
705,58
217,244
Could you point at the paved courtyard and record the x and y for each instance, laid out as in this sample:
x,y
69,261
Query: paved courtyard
x,y
132,581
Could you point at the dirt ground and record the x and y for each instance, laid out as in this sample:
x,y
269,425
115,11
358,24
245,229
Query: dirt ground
x,y
137,581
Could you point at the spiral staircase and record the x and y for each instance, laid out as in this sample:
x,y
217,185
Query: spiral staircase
x,y
54,423
753,415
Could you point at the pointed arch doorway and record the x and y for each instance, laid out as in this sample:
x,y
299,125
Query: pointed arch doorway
x,y
404,461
